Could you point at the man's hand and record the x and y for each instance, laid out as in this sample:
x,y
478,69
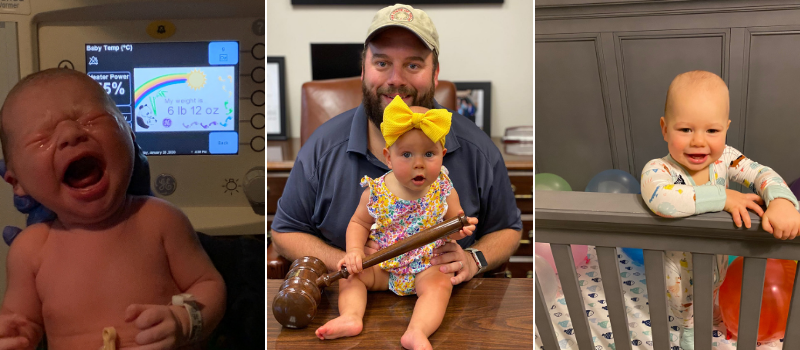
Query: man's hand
x,y
159,326
451,258
781,219
17,333
737,204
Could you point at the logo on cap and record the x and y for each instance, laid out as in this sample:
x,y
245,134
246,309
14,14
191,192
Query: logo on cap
x,y
401,15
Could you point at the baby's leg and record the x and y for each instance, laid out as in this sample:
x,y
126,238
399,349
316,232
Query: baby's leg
x,y
433,289
353,302
680,292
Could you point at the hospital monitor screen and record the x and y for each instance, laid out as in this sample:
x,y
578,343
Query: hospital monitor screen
x,y
179,98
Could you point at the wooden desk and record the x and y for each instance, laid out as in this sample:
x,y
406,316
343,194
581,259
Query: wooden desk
x,y
484,313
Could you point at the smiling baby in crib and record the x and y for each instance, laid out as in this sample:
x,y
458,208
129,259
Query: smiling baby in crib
x,y
694,179
109,259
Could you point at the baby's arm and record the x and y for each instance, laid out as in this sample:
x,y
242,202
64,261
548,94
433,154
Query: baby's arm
x,y
21,323
781,219
761,179
669,200
192,271
357,235
454,210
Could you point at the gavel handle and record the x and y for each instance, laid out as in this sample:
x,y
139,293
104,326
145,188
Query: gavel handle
x,y
418,240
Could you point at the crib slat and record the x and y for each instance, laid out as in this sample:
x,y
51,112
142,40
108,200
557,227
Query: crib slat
x,y
543,323
612,286
562,254
657,297
750,306
793,323
703,266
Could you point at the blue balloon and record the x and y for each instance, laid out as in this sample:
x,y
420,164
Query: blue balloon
x,y
637,255
614,181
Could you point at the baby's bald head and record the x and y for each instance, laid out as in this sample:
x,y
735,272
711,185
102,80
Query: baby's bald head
x,y
687,87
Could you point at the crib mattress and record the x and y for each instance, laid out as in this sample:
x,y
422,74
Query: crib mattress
x,y
635,295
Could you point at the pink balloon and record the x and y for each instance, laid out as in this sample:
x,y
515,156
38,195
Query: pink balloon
x,y
579,254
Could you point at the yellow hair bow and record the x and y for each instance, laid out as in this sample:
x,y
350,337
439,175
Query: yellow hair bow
x,y
399,119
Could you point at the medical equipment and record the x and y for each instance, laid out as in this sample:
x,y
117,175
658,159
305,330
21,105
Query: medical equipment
x,y
189,78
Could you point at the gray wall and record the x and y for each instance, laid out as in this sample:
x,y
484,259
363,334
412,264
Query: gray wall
x,y
602,73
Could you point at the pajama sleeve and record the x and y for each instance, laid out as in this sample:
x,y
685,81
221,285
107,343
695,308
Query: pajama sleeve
x,y
761,179
667,199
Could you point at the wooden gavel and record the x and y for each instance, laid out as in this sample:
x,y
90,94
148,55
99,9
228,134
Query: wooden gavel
x,y
298,297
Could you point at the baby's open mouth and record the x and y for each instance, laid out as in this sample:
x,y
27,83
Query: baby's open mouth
x,y
418,179
84,172
697,158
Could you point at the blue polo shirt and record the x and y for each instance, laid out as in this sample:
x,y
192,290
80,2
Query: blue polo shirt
x,y
323,191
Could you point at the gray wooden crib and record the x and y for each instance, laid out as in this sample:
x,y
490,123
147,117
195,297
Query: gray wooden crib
x,y
608,221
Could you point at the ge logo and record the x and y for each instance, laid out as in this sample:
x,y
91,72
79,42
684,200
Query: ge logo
x,y
167,122
165,184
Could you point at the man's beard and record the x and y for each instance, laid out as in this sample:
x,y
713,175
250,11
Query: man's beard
x,y
372,102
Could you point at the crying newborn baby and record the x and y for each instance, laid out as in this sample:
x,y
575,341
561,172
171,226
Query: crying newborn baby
x,y
109,259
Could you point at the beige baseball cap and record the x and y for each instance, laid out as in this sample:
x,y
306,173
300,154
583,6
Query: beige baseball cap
x,y
407,17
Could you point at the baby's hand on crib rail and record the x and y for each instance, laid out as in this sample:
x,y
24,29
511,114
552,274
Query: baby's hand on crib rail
x,y
781,219
353,260
17,333
737,204
466,230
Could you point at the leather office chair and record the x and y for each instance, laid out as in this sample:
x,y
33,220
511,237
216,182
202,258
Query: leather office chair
x,y
324,99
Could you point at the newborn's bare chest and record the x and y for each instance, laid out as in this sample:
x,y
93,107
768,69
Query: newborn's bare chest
x,y
86,282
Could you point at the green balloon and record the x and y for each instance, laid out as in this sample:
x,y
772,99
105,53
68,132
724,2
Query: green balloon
x,y
551,182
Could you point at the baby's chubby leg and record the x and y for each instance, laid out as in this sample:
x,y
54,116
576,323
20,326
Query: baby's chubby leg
x,y
353,303
433,289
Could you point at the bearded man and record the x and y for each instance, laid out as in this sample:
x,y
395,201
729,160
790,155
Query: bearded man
x,y
400,57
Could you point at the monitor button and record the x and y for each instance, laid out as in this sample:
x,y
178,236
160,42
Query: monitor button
x,y
66,64
258,51
223,142
257,97
257,74
257,143
257,121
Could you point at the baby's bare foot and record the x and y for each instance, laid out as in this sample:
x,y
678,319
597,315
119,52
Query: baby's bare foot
x,y
416,340
342,326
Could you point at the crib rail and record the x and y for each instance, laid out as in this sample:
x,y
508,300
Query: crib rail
x,y
608,221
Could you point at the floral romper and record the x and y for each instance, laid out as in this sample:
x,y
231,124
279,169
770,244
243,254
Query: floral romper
x,y
396,219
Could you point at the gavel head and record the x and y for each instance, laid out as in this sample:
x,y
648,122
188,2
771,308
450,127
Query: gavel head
x,y
296,302
298,297
308,262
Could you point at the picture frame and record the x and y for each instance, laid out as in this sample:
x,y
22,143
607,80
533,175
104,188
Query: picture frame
x,y
276,98
474,101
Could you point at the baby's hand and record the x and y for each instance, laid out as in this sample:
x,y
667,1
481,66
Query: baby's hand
x,y
17,333
781,219
353,260
466,230
737,204
158,325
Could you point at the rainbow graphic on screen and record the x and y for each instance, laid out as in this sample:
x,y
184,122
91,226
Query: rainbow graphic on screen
x,y
156,83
